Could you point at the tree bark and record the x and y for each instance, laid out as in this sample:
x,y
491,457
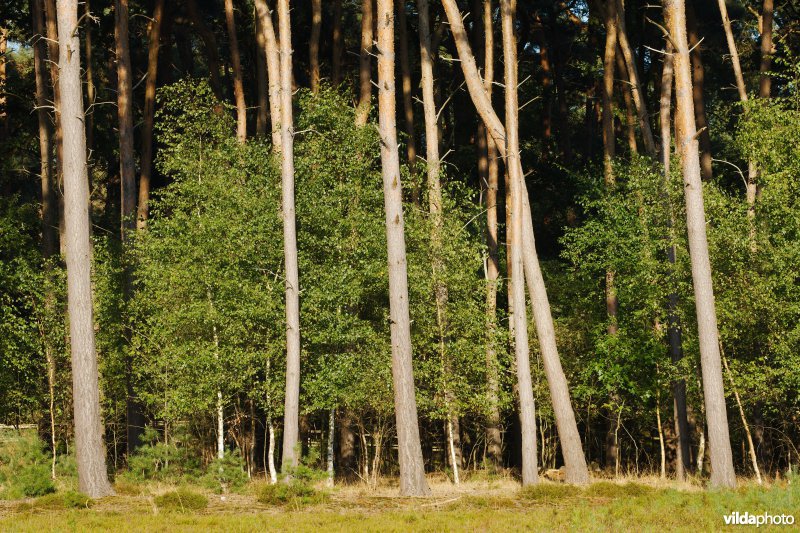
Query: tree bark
x,y
292,401
575,462
238,87
750,447
210,44
90,89
365,63
146,163
49,245
698,84
718,434
262,117
313,44
408,104
412,468
636,87
91,452
338,44
273,71
489,158
765,80
609,57
630,121
527,413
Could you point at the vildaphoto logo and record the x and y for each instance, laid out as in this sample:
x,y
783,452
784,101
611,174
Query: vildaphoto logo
x,y
764,519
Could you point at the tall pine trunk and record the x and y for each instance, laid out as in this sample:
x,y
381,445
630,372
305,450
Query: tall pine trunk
x,y
313,44
292,401
154,38
365,63
273,71
238,86
412,467
722,474
527,412
90,450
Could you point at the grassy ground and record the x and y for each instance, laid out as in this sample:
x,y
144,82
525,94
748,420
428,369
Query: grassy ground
x,y
478,505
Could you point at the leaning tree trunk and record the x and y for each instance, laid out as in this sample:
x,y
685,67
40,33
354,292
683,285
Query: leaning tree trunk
x,y
154,37
365,64
238,87
412,467
292,401
574,460
527,413
722,474
90,450
313,43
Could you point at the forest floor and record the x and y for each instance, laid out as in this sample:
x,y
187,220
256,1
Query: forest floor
x,y
646,504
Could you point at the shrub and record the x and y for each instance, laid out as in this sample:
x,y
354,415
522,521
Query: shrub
x,y
226,474
59,501
182,500
606,489
549,491
155,460
294,492
24,468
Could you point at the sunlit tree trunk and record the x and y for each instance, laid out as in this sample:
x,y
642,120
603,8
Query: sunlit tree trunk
x,y
262,117
527,414
313,43
412,467
292,401
575,462
89,73
273,71
765,80
609,58
408,105
238,86
365,63
146,163
722,474
698,84
90,450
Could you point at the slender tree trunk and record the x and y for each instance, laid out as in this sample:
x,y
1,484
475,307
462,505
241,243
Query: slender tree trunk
x,y
273,71
435,206
408,105
661,438
338,44
331,437
674,334
347,446
575,462
765,80
261,71
489,158
146,163
49,216
52,52
412,467
750,447
630,121
365,63
719,437
313,43
698,84
91,452
210,44
636,87
292,402
238,86
527,414
127,172
89,71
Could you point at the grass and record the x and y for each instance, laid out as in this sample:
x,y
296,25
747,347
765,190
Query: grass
x,y
478,505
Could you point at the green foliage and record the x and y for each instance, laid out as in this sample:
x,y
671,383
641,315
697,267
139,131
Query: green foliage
x,y
295,493
181,500
24,467
226,474
60,501
156,460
